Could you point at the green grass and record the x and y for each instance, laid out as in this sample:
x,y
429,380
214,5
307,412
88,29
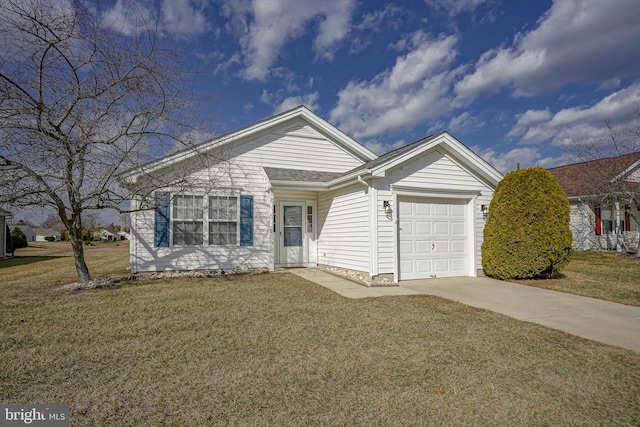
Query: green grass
x,y
278,350
602,275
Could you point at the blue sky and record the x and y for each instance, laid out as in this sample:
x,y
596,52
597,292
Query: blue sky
x,y
517,81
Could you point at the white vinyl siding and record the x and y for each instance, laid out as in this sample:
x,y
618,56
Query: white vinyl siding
x,y
343,223
296,146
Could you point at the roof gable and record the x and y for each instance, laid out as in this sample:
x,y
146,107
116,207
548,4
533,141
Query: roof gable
x,y
279,122
589,178
403,155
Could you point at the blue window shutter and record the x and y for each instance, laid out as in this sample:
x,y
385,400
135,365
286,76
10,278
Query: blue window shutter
x,y
246,220
163,220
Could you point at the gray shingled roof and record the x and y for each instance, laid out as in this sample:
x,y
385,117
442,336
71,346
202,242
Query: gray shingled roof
x,y
279,174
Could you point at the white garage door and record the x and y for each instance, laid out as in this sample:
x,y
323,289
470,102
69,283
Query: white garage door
x,y
433,238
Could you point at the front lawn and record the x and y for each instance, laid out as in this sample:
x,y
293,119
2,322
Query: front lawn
x,y
278,350
603,275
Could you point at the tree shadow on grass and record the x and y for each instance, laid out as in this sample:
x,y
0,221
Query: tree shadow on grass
x,y
25,260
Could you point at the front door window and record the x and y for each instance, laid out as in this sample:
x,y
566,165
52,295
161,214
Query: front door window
x,y
292,223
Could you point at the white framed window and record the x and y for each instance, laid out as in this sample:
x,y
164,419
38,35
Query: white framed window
x,y
188,216
223,220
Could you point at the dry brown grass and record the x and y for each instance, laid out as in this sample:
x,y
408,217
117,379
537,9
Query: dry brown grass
x,y
40,269
278,350
603,275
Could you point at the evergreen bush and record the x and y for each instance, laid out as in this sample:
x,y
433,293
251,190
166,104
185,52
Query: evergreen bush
x,y
527,232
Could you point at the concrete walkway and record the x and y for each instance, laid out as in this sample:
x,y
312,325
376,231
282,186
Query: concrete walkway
x,y
590,318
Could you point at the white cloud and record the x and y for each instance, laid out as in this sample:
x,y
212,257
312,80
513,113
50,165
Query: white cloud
x,y
575,41
455,7
572,125
523,156
179,17
464,123
415,89
309,100
184,17
264,27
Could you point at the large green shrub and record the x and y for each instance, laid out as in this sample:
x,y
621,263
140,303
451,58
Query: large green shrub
x,y
527,233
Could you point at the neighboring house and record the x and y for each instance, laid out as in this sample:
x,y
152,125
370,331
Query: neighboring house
x,y
293,190
3,232
603,215
105,235
43,233
28,232
122,235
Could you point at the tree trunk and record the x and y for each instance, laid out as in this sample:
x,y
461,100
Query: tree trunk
x,y
75,236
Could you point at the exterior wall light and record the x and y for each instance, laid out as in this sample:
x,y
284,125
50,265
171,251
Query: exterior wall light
x,y
386,206
485,211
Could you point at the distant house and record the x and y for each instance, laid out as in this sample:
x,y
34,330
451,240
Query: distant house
x,y
3,232
28,232
123,235
603,216
43,233
106,235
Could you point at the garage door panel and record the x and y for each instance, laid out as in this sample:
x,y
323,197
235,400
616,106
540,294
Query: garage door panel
x,y
457,210
422,208
423,267
406,228
433,238
422,248
440,246
422,227
457,228
458,246
441,265
440,209
441,227
459,265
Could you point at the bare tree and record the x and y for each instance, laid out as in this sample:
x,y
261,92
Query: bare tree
x,y
79,104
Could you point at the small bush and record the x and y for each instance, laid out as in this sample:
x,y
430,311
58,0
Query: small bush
x,y
527,233
18,239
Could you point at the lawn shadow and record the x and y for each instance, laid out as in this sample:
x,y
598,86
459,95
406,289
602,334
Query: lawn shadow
x,y
25,260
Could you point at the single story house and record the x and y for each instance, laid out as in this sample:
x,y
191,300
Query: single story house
x,y
603,213
105,235
43,233
3,232
293,190
122,235
28,232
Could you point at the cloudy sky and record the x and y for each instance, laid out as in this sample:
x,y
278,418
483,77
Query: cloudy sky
x,y
516,81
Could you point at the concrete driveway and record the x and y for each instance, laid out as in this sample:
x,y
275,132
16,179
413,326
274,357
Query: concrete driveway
x,y
598,320
590,318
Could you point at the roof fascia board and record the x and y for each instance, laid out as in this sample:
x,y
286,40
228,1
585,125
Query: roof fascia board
x,y
453,145
627,171
299,185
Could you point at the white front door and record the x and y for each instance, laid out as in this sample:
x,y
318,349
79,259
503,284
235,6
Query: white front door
x,y
291,233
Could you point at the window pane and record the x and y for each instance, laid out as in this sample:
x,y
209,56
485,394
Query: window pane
x,y
293,215
293,236
223,233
